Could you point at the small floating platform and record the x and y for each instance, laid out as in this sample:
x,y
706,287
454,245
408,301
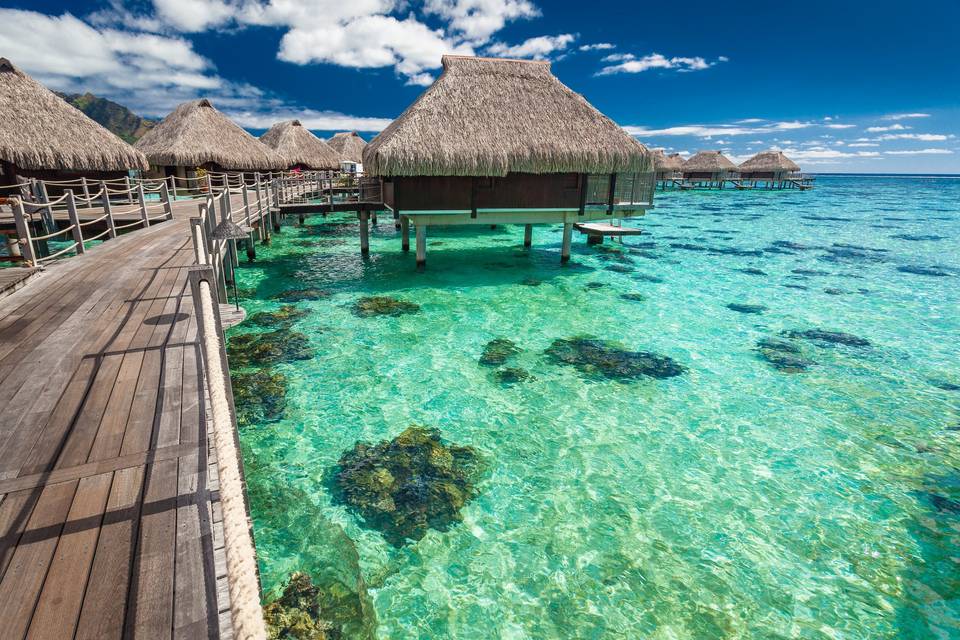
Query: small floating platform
x,y
603,229
230,316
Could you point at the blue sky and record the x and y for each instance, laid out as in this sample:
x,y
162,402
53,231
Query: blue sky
x,y
841,86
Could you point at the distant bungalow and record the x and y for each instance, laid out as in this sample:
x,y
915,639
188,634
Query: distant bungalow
x,y
300,148
668,168
43,137
497,141
708,168
350,146
196,135
774,170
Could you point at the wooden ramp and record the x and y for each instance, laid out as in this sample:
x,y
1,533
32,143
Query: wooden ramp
x,y
603,229
108,504
13,278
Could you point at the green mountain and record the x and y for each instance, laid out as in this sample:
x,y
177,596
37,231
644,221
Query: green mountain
x,y
111,115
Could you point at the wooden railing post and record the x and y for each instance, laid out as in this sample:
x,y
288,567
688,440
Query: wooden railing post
x,y
107,209
165,196
144,215
263,213
246,205
173,186
75,221
23,232
86,191
46,213
126,180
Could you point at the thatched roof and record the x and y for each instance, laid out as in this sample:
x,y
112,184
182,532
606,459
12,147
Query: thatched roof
x,y
196,134
39,130
349,145
708,161
299,146
769,161
664,162
491,116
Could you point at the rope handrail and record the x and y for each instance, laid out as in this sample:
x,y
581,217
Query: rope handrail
x,y
117,192
135,209
98,236
49,203
96,196
242,578
50,257
55,233
128,225
94,221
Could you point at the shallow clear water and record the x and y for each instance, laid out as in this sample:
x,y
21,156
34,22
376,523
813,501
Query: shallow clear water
x,y
735,500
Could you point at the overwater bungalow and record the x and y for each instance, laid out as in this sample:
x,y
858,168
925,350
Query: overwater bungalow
x,y
708,169
300,147
350,146
198,136
498,141
772,170
43,137
668,168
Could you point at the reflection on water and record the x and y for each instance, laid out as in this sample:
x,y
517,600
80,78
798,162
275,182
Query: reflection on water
x,y
798,477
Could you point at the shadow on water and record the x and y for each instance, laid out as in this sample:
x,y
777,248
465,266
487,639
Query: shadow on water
x,y
496,258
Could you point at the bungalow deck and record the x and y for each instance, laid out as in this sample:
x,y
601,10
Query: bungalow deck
x,y
109,506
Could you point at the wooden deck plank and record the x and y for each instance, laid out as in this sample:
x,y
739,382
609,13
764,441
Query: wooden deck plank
x,y
150,602
57,610
103,611
28,566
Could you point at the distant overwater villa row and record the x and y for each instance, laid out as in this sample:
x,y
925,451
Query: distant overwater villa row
x,y
240,406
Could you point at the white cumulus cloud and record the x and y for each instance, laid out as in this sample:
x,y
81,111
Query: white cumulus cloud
x,y
920,152
658,61
538,48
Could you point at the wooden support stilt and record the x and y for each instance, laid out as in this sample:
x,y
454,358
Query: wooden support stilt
x,y
364,233
405,233
565,247
301,219
421,245
528,235
252,247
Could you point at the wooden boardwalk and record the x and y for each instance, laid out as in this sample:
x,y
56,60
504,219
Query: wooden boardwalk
x,y
108,502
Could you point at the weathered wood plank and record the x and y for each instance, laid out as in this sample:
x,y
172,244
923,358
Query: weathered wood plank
x,y
150,601
58,608
27,569
103,611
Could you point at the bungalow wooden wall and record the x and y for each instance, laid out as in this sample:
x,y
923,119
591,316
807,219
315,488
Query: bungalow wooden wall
x,y
515,190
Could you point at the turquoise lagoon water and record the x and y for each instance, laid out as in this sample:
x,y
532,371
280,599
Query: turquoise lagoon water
x,y
733,501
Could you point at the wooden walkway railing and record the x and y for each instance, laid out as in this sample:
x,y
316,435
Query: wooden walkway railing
x,y
88,211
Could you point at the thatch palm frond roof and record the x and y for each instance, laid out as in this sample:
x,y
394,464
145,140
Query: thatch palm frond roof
x,y
299,146
349,145
708,161
39,130
490,117
196,134
664,162
769,161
